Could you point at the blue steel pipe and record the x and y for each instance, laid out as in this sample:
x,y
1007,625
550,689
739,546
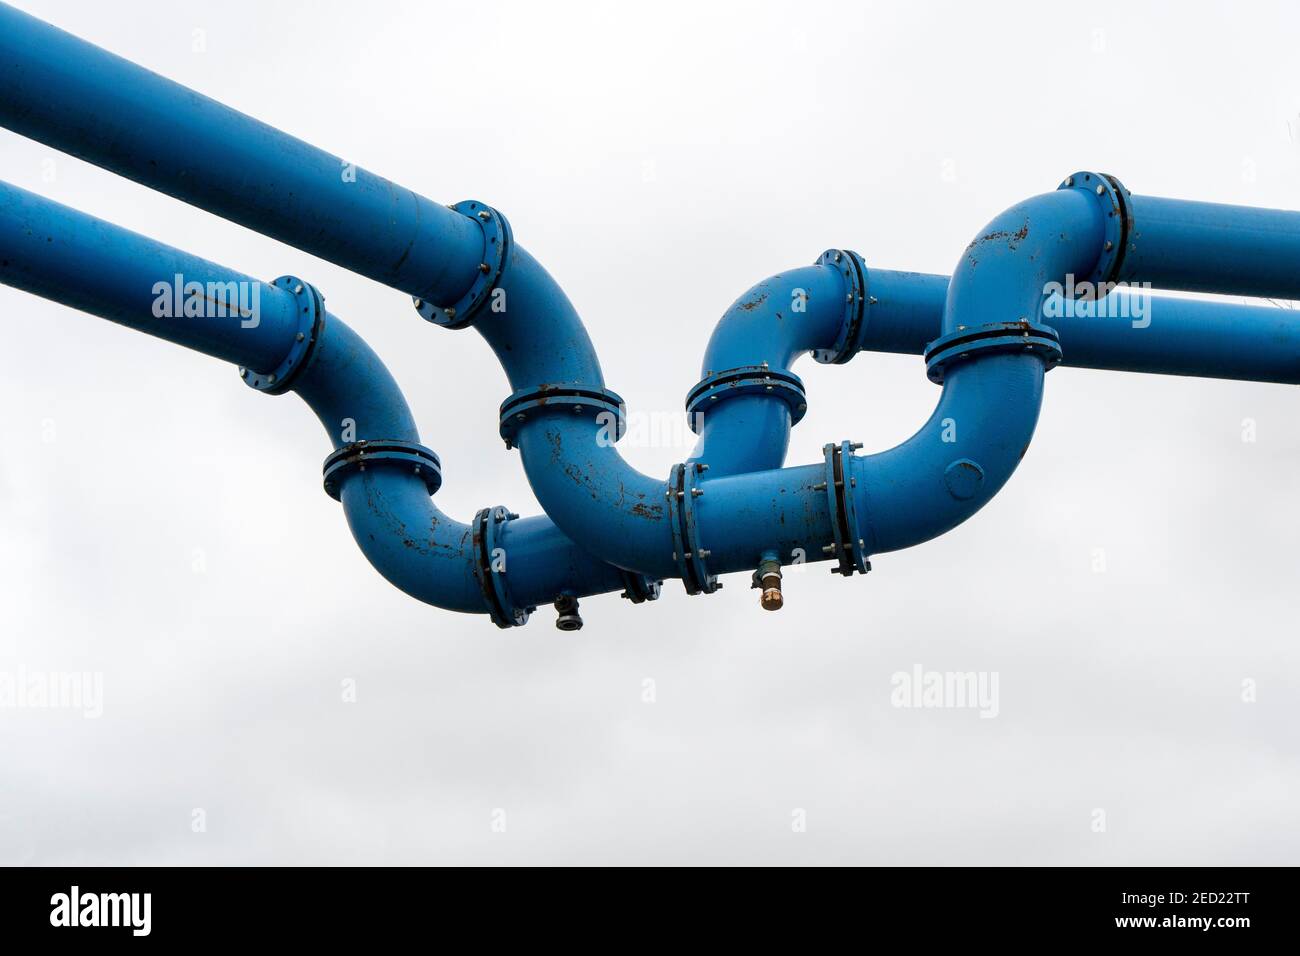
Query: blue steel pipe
x,y
1127,331
77,97
802,311
67,256
89,103
61,254
904,496
1209,247
771,325
991,354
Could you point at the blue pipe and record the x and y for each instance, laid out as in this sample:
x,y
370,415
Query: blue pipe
x,y
772,324
61,254
1208,247
1127,331
79,98
903,495
67,256
802,311
89,103
991,352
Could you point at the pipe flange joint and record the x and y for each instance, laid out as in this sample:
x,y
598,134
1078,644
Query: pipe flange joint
x,y
849,547
746,380
498,241
1117,207
639,588
853,270
490,568
311,322
969,341
393,454
689,554
601,404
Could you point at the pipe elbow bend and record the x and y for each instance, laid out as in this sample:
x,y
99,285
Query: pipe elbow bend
x,y
991,359
748,398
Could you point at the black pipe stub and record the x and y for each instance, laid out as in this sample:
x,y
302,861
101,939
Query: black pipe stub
x,y
716,387
601,404
853,270
566,611
689,553
639,588
498,242
1117,206
969,341
490,568
311,323
848,549
388,453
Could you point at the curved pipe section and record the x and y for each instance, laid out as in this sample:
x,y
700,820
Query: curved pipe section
x,y
89,264
773,323
986,416
403,534
903,495
991,354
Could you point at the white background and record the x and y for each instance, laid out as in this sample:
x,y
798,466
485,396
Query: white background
x,y
659,159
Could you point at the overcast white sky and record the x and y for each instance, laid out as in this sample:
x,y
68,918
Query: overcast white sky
x,y
164,525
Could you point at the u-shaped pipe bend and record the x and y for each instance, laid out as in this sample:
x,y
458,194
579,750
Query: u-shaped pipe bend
x,y
698,524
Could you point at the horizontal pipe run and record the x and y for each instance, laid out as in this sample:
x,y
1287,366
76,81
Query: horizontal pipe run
x,y
1127,331
76,97
64,255
1210,247
79,98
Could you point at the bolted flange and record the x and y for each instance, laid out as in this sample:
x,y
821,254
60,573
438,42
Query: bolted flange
x,y
853,270
498,242
968,342
1117,207
849,547
689,554
311,323
393,454
746,380
606,407
490,568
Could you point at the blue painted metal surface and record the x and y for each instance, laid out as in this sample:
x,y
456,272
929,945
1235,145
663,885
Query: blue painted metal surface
x,y
380,472
990,333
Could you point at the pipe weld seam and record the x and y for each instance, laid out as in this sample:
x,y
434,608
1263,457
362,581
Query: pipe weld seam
x,y
747,380
498,240
310,313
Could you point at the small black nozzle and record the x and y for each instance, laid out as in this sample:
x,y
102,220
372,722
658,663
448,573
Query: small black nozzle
x,y
566,607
